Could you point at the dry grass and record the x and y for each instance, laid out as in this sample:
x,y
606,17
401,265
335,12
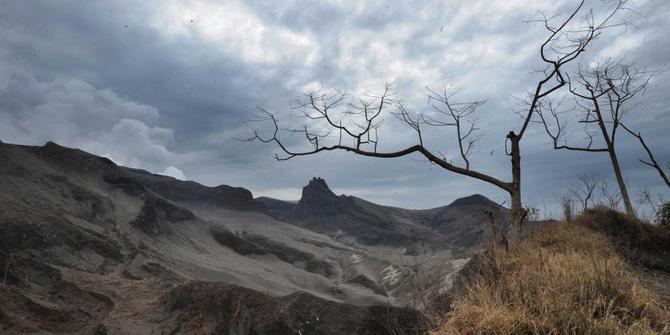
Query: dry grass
x,y
639,242
566,279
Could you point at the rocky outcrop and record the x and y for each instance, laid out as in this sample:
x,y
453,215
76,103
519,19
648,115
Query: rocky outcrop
x,y
156,213
239,245
188,191
318,201
259,245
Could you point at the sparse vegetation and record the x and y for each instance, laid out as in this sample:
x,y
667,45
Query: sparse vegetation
x,y
663,217
565,279
568,209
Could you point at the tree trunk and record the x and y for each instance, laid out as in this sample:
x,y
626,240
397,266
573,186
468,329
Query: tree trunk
x,y
615,161
619,178
518,213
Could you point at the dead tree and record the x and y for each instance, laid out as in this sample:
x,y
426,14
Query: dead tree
x,y
652,162
612,199
355,129
585,190
601,96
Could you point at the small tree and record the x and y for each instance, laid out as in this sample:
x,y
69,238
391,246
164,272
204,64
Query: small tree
x,y
352,125
612,199
585,190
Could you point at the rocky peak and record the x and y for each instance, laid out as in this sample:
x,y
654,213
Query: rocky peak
x,y
318,200
317,187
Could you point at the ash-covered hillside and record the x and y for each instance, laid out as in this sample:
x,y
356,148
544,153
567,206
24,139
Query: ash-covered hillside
x,y
87,246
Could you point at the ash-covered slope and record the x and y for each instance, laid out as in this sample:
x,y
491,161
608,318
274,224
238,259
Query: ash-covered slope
x,y
87,246
459,225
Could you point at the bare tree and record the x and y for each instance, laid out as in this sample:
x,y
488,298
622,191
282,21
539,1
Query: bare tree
x,y
355,129
585,189
601,95
612,199
652,160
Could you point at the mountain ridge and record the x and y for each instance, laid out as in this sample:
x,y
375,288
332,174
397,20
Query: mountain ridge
x,y
459,224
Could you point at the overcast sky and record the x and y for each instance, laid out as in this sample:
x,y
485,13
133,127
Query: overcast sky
x,y
168,86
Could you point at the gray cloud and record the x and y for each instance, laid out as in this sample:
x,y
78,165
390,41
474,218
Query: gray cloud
x,y
74,113
168,86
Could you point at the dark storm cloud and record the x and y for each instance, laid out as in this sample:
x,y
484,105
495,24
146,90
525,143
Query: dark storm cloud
x,y
171,84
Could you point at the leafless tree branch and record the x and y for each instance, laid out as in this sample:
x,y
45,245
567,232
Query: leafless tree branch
x,y
652,159
319,109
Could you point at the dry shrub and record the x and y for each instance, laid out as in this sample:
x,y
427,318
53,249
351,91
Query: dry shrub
x,y
663,216
565,279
